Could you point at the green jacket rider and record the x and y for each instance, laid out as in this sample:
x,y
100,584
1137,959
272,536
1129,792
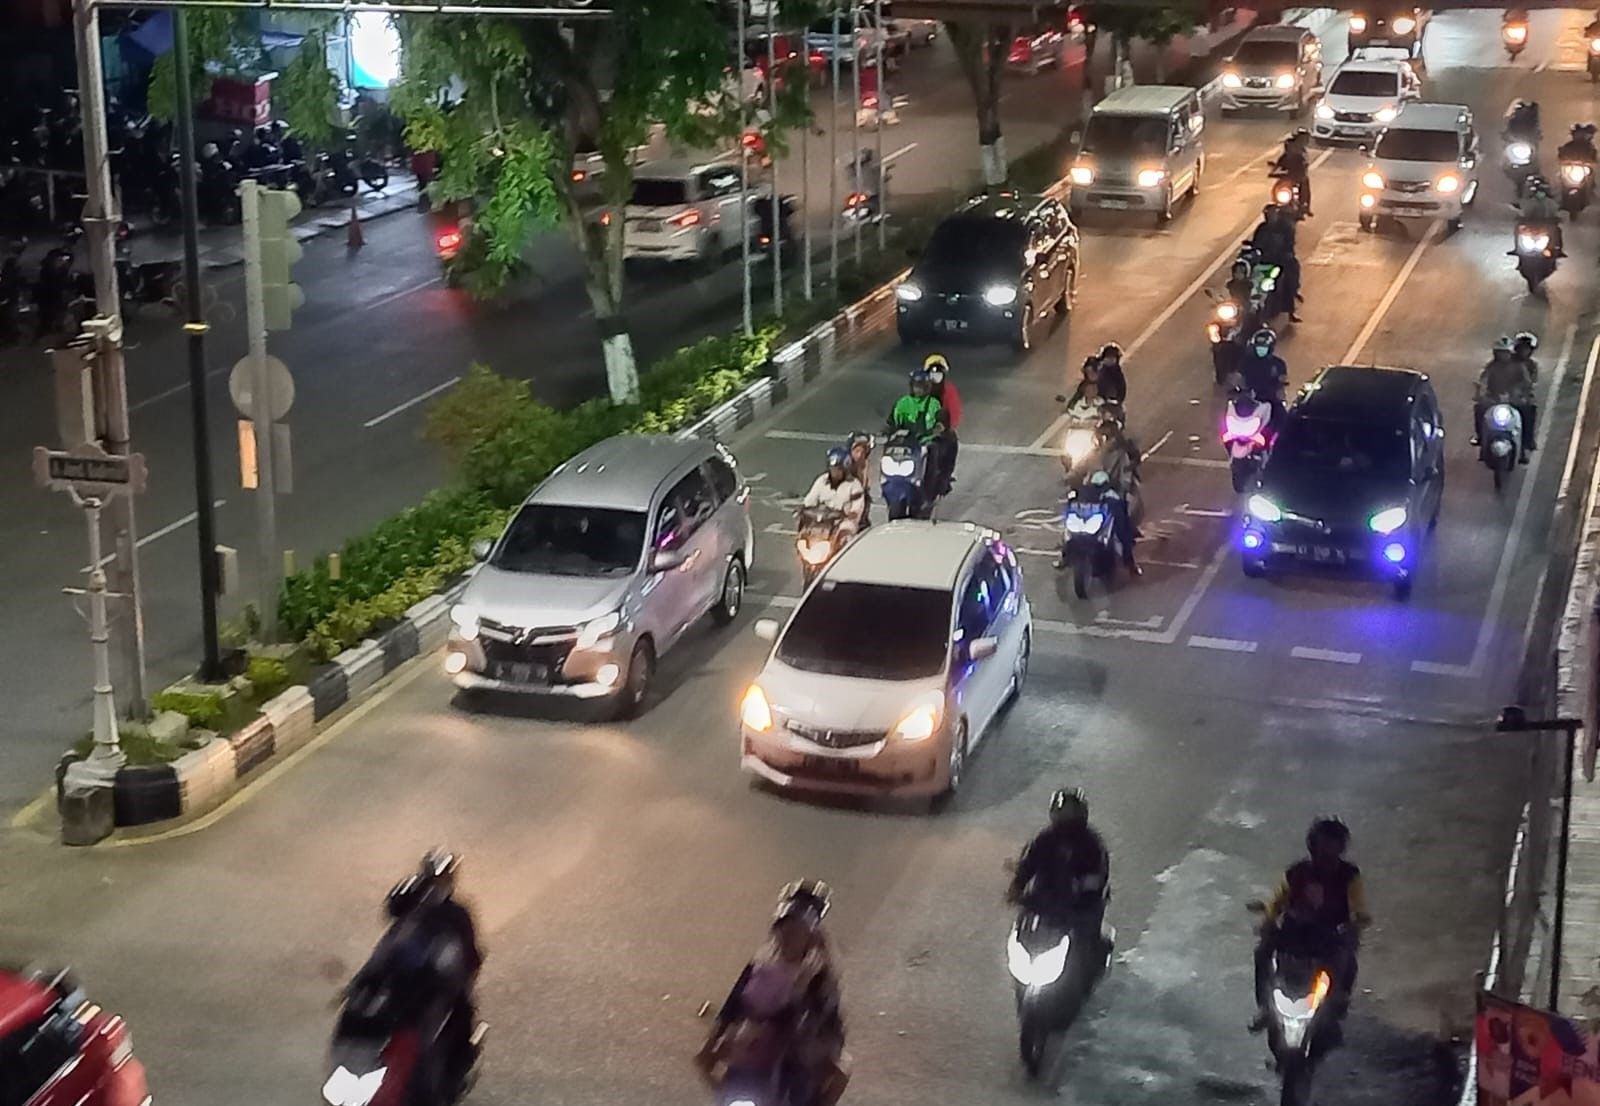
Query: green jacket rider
x,y
919,411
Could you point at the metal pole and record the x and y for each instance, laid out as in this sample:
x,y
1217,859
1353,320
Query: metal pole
x,y
777,195
855,115
260,407
1569,738
833,160
100,219
883,103
805,185
744,175
195,330
107,755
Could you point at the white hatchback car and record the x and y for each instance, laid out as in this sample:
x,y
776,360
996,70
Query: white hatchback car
x,y
1364,97
899,658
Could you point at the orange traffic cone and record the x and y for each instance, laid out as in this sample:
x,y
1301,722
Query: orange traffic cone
x,y
354,239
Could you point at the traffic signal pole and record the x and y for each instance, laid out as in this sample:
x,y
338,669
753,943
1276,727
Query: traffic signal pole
x,y
260,407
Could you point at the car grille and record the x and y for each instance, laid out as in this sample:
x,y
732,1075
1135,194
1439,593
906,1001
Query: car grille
x,y
1257,82
835,739
1352,116
544,646
1410,185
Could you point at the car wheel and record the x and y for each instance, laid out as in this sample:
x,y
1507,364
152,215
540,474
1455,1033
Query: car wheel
x,y
636,685
1366,222
1023,342
1253,568
1019,669
1165,214
1194,185
1064,303
958,764
732,598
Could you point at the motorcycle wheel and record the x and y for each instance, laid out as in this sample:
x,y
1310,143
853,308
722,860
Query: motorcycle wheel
x,y
1081,572
1534,282
376,176
898,510
1031,1040
1499,476
808,573
1240,468
1296,1076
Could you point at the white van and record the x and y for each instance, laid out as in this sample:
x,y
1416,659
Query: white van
x,y
1142,150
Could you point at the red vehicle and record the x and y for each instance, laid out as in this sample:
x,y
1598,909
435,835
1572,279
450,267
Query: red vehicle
x,y
59,1049
1036,49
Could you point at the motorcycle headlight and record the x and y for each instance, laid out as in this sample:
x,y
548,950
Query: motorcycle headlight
x,y
465,619
1520,153
814,551
1079,444
1449,184
1404,25
1227,312
1387,521
1574,172
1358,23
1386,115
1086,524
1372,179
1594,46
1000,295
597,628
1501,415
922,720
1514,32
1285,81
1262,508
1232,80
1149,178
902,466
1081,175
908,292
1044,969
1018,960
1533,243
1324,111
345,1088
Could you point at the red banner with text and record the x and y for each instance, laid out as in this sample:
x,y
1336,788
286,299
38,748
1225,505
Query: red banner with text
x,y
1529,1057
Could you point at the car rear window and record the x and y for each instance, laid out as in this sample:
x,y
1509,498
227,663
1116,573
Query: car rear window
x,y
659,192
1365,83
1405,144
977,239
1343,448
1266,52
870,631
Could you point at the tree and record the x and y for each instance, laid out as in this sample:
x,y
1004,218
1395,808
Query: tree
x,y
1157,24
532,94
981,49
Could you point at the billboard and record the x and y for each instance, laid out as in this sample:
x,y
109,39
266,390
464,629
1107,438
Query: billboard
x,y
1531,1057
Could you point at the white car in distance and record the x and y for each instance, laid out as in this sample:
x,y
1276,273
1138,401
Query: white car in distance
x,y
1363,98
897,661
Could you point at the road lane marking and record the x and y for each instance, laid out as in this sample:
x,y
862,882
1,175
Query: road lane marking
x,y
1073,629
1225,644
1161,441
1228,253
1203,512
1192,600
906,149
1390,295
1434,668
170,528
398,293
412,402
1332,656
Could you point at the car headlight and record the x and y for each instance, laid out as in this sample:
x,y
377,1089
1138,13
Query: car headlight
x,y
1372,179
1036,971
1285,80
755,713
1533,243
908,292
1386,115
1081,175
1000,295
922,720
1324,111
1449,184
597,628
1358,23
345,1088
1232,80
1387,521
1262,508
1149,178
465,619
1404,25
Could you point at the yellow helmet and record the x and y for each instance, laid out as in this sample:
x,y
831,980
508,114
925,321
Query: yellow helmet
x,y
935,363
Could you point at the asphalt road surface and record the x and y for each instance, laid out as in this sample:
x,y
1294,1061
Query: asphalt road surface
x,y
622,874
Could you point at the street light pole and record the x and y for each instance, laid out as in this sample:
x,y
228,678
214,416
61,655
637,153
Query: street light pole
x,y
833,159
855,113
744,176
877,126
777,196
805,178
1515,720
100,220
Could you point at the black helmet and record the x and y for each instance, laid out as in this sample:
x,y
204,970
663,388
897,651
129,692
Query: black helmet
x,y
436,874
1526,338
1263,341
919,376
1069,807
1330,828
838,456
403,898
1112,350
806,898
1301,133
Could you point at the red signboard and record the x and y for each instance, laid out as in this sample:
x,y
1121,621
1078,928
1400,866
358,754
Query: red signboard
x,y
1530,1057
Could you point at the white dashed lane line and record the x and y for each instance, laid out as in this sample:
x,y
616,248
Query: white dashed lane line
x,y
1223,644
1332,656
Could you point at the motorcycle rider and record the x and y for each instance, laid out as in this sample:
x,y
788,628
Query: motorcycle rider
x,y
859,447
1119,460
1521,122
944,390
1264,372
1274,239
1295,165
866,175
1064,871
1319,904
1579,145
1523,346
922,414
837,489
1505,379
784,1011
1541,209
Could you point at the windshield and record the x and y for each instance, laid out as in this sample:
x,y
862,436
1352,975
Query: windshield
x,y
1356,449
1266,53
840,630
1357,82
1127,136
959,241
1409,145
659,193
572,541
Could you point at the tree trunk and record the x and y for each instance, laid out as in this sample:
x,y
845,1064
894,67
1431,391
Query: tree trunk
x,y
982,54
601,245
1161,49
1090,35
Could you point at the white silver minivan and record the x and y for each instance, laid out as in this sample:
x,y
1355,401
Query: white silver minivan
x,y
1142,150
602,569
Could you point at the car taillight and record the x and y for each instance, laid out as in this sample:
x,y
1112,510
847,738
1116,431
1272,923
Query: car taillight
x,y
751,140
579,175
855,199
687,219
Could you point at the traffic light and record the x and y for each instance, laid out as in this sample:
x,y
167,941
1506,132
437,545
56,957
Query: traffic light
x,y
279,251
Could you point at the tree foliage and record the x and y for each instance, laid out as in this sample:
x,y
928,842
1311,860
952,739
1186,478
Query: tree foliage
x,y
1154,23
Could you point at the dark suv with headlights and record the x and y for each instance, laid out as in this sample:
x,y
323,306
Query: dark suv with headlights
x,y
991,271
1354,479
1398,28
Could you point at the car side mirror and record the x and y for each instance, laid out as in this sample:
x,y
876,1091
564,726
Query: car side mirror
x,y
480,549
983,648
766,629
665,560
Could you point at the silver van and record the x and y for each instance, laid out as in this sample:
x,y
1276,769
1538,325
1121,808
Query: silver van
x,y
1277,67
602,569
1142,150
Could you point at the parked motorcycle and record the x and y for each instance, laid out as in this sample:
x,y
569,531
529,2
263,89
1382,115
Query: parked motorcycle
x,y
1246,435
1536,257
217,190
819,538
1302,1025
904,466
1500,440
1052,976
63,296
1514,33
1090,547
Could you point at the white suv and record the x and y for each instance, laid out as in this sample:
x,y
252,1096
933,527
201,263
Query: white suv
x,y
683,211
1363,98
1424,166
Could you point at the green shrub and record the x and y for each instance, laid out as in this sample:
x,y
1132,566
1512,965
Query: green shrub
x,y
269,676
205,709
473,410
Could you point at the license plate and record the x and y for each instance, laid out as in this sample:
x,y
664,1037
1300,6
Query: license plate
x,y
519,673
1119,205
1322,554
950,324
648,226
1350,132
831,766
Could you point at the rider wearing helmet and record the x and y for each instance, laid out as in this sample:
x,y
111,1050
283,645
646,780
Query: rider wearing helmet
x,y
1264,371
924,415
425,907
838,489
1295,165
1579,145
1541,209
1320,905
859,449
1506,379
944,390
1066,869
1521,122
1274,238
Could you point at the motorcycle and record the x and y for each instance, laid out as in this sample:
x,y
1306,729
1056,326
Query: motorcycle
x,y
904,466
859,207
1285,190
1224,331
1515,35
1052,976
1078,452
63,297
1536,257
1577,185
1302,1025
349,168
145,282
1246,435
1090,547
818,540
1521,155
1500,440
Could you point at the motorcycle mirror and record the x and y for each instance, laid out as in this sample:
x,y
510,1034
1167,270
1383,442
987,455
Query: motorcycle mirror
x,y
983,648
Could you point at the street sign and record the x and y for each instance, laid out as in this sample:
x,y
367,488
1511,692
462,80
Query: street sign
x,y
280,388
88,470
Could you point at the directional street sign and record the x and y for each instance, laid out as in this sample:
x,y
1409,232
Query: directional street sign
x,y
89,471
